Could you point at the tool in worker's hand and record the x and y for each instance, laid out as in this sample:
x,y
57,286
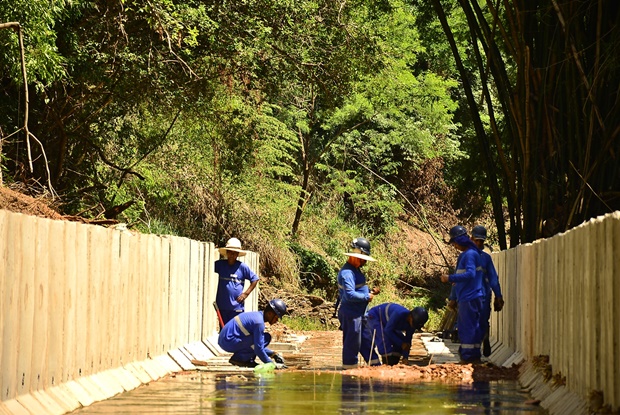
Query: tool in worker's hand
x,y
219,315
336,304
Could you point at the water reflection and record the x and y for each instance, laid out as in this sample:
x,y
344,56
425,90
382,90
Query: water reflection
x,y
304,393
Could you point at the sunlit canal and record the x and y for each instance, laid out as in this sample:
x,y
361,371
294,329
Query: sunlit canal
x,y
303,393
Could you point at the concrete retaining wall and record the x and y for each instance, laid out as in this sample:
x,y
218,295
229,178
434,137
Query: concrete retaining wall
x,y
87,312
560,307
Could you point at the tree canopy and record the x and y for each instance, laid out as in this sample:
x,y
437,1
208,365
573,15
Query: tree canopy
x,y
294,123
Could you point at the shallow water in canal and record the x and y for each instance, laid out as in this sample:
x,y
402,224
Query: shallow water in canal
x,y
305,393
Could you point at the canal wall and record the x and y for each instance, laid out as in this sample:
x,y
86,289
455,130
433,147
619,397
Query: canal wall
x,y
88,312
560,316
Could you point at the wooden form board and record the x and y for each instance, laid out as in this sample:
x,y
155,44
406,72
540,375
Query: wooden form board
x,y
78,300
559,295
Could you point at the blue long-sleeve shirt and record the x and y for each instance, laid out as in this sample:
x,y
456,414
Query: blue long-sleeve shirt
x,y
468,276
490,280
244,331
353,291
392,319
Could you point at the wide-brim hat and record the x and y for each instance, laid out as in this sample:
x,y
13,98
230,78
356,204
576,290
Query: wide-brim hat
x,y
233,244
360,256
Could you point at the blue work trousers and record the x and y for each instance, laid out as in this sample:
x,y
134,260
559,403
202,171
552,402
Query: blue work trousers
x,y
470,333
356,339
244,351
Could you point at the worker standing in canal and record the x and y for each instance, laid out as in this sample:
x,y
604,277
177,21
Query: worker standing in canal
x,y
392,327
232,273
245,336
490,283
467,281
354,299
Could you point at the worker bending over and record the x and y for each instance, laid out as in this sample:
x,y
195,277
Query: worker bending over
x,y
393,326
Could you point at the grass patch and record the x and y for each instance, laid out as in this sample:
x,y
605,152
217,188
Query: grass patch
x,y
303,323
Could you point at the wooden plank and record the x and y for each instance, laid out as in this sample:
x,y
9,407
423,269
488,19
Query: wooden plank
x,y
562,309
10,291
141,294
133,307
183,297
124,317
148,293
554,302
527,300
69,336
55,311
113,356
15,408
75,389
26,375
577,294
571,298
194,299
590,312
210,323
82,301
155,295
50,404
166,329
99,296
63,398
125,378
603,280
181,359
138,371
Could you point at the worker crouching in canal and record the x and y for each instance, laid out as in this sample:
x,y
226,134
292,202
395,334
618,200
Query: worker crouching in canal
x,y
392,327
245,336
467,281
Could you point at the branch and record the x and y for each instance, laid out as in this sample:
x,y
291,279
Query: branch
x,y
424,221
17,27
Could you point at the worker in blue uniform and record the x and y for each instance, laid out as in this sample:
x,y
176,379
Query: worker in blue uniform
x,y
233,273
392,327
467,281
490,284
245,336
354,299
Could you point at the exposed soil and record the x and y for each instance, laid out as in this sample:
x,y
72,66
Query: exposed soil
x,y
323,349
20,203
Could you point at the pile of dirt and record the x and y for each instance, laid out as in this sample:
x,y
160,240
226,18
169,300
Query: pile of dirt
x,y
323,349
18,202
448,372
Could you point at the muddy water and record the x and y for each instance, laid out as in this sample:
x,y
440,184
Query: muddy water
x,y
305,393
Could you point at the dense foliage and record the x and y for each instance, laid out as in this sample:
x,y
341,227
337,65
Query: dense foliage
x,y
296,125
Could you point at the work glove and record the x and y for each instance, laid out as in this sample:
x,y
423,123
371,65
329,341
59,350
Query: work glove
x,y
281,366
498,303
277,358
